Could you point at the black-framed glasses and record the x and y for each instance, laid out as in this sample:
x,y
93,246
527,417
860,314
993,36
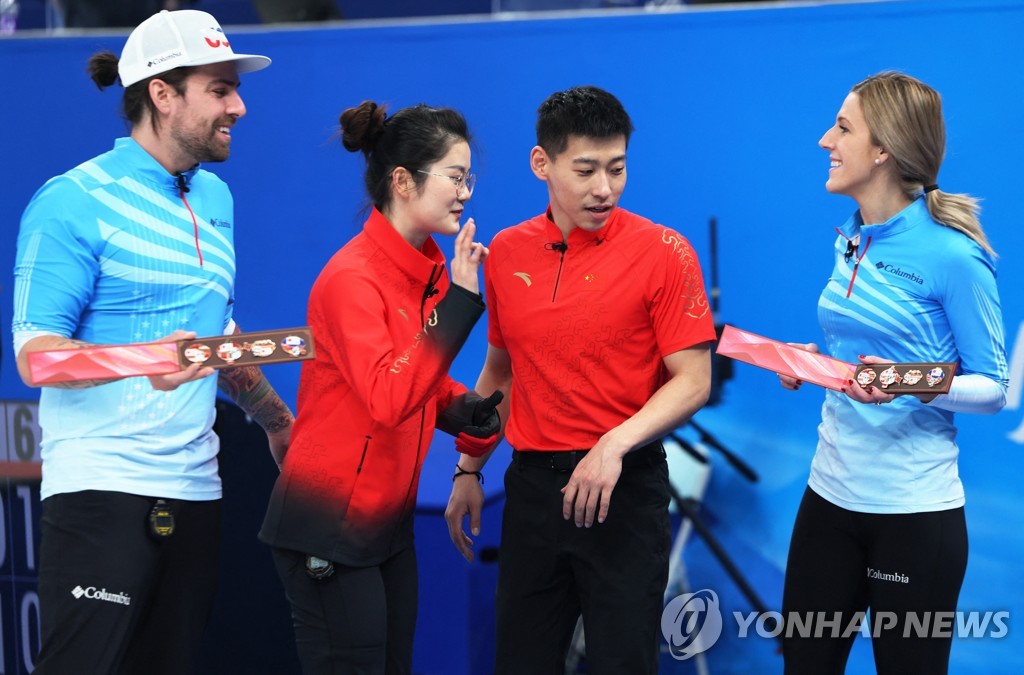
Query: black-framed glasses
x,y
467,180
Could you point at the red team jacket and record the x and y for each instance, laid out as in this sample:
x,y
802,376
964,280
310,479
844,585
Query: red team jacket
x,y
386,324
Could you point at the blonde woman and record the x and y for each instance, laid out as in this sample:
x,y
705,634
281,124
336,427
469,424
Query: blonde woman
x,y
881,526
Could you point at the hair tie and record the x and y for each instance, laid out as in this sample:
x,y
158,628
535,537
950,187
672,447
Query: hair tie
x,y
929,188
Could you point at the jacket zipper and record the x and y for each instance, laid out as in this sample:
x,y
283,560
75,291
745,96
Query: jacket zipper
x,y
851,250
561,247
182,189
366,446
430,291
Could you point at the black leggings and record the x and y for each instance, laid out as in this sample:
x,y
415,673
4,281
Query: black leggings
x,y
359,620
903,567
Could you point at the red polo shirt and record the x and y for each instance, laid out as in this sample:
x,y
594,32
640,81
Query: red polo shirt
x,y
587,327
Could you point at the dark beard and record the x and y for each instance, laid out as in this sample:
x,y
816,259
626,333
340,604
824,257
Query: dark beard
x,y
203,148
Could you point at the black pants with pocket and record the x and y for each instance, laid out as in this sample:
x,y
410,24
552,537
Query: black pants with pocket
x,y
358,620
115,599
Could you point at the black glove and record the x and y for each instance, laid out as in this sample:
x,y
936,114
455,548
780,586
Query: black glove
x,y
472,415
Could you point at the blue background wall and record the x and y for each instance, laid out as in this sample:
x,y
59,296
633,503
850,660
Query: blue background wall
x,y
728,105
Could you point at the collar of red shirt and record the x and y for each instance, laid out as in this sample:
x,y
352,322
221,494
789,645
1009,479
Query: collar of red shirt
x,y
578,237
419,264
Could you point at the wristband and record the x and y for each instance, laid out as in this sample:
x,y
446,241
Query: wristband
x,y
474,446
459,471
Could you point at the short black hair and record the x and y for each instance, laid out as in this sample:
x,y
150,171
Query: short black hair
x,y
586,111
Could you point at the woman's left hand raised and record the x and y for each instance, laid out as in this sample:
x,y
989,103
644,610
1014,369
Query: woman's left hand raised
x,y
469,255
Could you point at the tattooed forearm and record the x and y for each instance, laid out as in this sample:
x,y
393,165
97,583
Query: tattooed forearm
x,y
247,387
69,343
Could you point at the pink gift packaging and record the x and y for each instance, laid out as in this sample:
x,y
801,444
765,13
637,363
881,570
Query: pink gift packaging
x,y
780,357
161,358
101,363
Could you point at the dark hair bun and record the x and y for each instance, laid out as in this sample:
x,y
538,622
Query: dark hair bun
x,y
102,68
362,126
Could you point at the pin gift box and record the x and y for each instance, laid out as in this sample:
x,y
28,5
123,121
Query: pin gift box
x,y
907,378
162,358
780,357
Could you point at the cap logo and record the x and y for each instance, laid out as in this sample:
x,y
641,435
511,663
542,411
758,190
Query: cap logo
x,y
163,58
215,37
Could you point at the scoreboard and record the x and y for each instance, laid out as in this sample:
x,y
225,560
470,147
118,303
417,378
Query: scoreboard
x,y
19,536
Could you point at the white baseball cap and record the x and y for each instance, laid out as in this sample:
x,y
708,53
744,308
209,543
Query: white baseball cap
x,y
186,37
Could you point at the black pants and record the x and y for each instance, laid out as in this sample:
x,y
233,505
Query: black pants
x,y
898,565
359,620
114,599
614,573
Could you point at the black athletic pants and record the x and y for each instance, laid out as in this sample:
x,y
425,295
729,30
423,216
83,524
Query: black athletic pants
x,y
113,598
357,621
905,568
551,572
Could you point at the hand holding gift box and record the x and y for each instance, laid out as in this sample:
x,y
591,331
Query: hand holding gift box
x,y
780,357
808,366
161,358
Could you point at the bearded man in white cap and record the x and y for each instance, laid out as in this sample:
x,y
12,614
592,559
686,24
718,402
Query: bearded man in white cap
x,y
137,245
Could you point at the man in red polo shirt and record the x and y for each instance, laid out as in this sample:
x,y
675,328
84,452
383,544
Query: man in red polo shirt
x,y
599,338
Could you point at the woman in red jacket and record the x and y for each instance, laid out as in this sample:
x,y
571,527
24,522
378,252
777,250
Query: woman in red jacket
x,y
387,323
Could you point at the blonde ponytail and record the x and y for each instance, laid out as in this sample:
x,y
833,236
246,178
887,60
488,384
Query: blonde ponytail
x,y
905,117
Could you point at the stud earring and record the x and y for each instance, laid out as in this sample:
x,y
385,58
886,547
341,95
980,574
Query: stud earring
x,y
878,162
